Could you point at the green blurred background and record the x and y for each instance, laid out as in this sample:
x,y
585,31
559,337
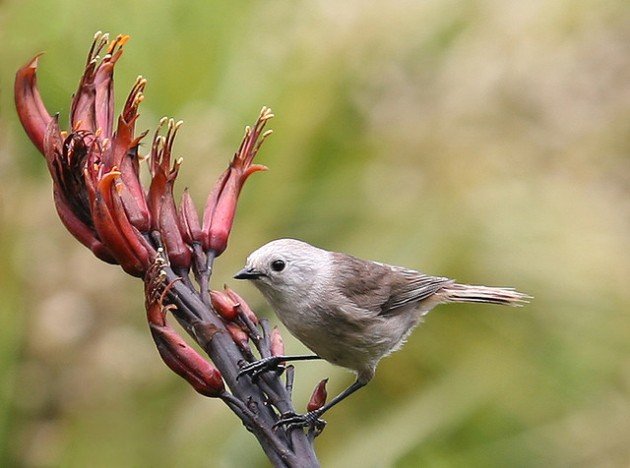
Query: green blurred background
x,y
485,140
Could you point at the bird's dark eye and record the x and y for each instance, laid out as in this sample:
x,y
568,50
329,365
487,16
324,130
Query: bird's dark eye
x,y
278,265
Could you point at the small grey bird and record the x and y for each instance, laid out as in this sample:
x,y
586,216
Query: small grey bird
x,y
350,312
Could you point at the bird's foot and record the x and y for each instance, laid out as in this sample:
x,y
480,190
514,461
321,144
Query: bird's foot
x,y
310,420
254,369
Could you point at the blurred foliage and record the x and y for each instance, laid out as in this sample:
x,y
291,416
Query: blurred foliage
x,y
486,140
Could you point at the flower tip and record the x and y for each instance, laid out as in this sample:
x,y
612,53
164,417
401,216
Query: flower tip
x,y
277,343
110,176
34,62
266,113
122,39
255,168
224,305
318,397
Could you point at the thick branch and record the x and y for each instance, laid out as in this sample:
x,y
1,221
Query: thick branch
x,y
256,398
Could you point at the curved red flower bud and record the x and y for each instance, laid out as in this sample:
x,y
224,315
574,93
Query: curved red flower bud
x,y
277,344
28,102
189,219
318,398
161,203
243,307
186,362
125,156
238,335
133,197
224,305
140,246
133,260
180,357
220,207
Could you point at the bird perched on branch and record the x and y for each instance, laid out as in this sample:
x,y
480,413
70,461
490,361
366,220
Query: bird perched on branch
x,y
350,312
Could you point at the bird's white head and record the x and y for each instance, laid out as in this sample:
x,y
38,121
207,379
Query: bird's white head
x,y
285,267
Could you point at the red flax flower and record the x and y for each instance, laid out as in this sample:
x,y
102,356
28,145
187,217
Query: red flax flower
x,y
95,169
218,215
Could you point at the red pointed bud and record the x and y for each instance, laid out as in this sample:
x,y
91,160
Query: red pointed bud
x,y
143,250
124,154
223,217
238,335
277,344
28,102
224,305
220,207
179,253
318,398
105,223
243,307
180,357
189,219
186,362
161,203
133,197
211,204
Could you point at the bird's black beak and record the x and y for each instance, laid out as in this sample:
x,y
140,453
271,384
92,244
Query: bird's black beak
x,y
248,273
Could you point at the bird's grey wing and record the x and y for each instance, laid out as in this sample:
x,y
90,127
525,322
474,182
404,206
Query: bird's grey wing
x,y
411,287
364,284
381,289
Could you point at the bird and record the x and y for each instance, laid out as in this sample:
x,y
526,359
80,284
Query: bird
x,y
349,311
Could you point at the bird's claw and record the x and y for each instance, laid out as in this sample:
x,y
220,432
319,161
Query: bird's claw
x,y
254,369
294,421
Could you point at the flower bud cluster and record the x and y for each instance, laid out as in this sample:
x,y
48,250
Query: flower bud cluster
x,y
95,167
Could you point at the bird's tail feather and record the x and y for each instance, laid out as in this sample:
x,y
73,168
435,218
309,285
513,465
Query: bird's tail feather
x,y
471,293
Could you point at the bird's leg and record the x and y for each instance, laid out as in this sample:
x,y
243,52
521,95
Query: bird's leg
x,y
311,419
271,363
